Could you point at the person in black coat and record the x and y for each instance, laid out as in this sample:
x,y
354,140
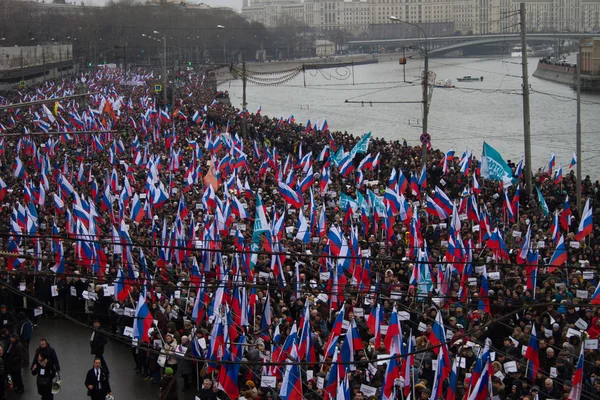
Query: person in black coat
x,y
45,371
48,352
14,362
97,342
3,373
96,382
7,318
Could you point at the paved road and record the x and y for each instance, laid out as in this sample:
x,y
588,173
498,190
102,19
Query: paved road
x,y
71,343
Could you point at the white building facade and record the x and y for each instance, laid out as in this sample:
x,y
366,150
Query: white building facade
x,y
468,16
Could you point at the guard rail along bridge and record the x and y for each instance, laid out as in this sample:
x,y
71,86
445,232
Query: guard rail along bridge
x,y
438,46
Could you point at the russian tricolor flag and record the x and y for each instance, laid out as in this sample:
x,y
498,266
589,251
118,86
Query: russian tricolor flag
x,y
585,226
560,255
137,210
289,195
143,319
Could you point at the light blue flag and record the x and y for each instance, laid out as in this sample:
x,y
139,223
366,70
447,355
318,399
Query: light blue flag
x,y
337,157
346,200
376,203
362,203
424,284
493,166
362,146
542,202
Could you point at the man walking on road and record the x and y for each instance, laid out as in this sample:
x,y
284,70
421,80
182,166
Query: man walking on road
x,y
48,353
15,356
96,382
97,342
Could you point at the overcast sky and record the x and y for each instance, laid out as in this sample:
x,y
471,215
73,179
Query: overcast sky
x,y
237,4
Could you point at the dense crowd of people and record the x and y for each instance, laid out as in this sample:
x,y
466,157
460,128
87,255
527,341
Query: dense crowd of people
x,y
173,210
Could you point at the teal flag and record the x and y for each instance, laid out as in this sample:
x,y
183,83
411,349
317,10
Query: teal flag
x,y
362,145
362,203
542,202
261,224
424,282
346,200
376,202
493,165
337,157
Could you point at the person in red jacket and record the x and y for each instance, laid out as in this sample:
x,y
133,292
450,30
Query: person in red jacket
x,y
594,329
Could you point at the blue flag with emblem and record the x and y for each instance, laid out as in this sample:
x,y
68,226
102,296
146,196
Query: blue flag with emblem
x,y
362,145
493,165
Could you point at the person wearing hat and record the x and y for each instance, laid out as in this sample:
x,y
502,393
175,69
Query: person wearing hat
x,y
45,371
168,385
96,382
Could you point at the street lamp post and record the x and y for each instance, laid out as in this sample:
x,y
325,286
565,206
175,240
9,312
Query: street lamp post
x,y
164,89
425,85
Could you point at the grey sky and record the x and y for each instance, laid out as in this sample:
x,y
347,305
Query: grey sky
x,y
236,4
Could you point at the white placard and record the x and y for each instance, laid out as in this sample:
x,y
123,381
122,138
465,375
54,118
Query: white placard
x,y
128,331
384,329
510,366
22,286
345,325
548,332
574,244
367,391
591,344
324,276
129,312
86,295
268,381
517,234
396,296
500,375
553,372
434,364
581,324
443,182
494,276
573,332
403,316
588,274
463,362
202,343
582,294
541,244
177,294
523,350
475,228
449,334
320,382
359,312
54,290
38,311
323,297
108,291
309,374
422,327
382,359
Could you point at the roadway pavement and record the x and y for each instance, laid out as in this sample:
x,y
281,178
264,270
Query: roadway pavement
x,y
72,346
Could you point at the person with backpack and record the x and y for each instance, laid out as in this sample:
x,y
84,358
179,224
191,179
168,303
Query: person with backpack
x,y
168,385
46,372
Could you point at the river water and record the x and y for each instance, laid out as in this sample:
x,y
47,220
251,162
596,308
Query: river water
x,y
461,118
